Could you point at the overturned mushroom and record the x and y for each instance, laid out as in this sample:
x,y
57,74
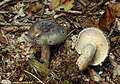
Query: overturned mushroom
x,y
93,46
46,33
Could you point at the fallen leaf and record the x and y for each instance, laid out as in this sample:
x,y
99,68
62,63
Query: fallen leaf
x,y
106,19
66,6
61,4
56,3
116,8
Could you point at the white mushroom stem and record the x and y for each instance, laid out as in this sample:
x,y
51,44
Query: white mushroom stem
x,y
45,54
87,54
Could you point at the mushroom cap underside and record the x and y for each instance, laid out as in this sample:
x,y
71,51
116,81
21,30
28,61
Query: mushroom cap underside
x,y
97,37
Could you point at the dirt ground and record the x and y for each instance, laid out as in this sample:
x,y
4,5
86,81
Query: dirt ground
x,y
19,62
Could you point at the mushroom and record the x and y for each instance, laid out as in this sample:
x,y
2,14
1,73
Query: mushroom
x,y
46,33
93,46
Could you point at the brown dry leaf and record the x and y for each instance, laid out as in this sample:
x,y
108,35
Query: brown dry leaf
x,y
106,19
89,23
61,4
116,8
3,38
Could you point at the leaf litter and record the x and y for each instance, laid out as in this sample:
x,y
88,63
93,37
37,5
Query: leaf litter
x,y
19,60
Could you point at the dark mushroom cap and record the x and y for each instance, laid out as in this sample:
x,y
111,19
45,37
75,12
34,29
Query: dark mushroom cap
x,y
47,32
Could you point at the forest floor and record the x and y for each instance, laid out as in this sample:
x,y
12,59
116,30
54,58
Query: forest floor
x,y
19,63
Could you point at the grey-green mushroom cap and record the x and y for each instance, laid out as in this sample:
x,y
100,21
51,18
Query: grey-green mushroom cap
x,y
47,32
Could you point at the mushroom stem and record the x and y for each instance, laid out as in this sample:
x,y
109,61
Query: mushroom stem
x,y
45,54
87,55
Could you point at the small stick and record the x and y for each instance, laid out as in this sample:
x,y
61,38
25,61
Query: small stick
x,y
15,24
94,7
70,32
112,29
34,76
82,2
4,2
77,12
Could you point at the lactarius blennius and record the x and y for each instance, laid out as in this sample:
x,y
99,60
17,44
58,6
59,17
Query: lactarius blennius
x,y
93,46
46,33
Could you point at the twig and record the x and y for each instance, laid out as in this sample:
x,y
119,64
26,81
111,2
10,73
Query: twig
x,y
4,1
82,2
101,2
59,15
34,76
13,29
4,12
70,32
30,1
77,12
70,11
115,38
112,29
15,24
11,74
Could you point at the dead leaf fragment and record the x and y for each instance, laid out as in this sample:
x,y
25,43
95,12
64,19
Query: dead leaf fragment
x,y
89,23
21,12
3,38
116,71
13,29
54,4
94,76
106,19
118,24
35,7
6,82
22,77
2,18
116,8
41,68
